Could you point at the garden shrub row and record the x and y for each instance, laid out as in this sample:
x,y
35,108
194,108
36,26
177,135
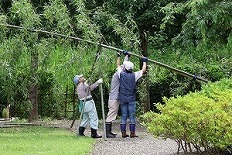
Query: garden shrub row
x,y
199,121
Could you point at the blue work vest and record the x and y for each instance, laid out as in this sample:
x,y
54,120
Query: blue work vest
x,y
127,87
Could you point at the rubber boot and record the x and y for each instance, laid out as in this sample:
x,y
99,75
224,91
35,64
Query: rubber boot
x,y
108,131
111,130
132,131
81,131
94,133
113,134
123,130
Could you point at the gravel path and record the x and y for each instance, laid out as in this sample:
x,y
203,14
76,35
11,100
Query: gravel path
x,y
145,144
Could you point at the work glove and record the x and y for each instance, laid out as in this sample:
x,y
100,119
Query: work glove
x,y
144,59
100,81
126,53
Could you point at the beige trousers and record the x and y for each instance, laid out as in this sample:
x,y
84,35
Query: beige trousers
x,y
113,106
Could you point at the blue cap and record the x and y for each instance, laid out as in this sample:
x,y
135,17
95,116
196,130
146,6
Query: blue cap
x,y
76,79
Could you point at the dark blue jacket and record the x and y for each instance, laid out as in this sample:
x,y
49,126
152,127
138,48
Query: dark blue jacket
x,y
127,87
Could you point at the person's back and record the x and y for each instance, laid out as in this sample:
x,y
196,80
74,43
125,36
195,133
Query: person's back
x,y
127,79
127,87
113,103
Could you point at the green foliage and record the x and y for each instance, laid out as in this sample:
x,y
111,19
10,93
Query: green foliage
x,y
5,113
48,102
202,119
145,15
71,21
84,22
22,12
14,77
206,21
3,20
212,64
57,17
115,31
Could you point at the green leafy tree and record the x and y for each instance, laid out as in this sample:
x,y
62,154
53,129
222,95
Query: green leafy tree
x,y
35,56
206,22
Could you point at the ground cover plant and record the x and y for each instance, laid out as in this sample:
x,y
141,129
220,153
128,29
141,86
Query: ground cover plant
x,y
42,140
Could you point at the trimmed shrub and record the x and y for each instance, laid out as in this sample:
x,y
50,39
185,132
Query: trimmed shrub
x,y
5,113
199,121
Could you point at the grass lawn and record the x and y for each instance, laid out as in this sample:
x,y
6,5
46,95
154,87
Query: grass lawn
x,y
33,140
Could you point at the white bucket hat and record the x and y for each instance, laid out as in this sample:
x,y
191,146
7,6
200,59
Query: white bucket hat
x,y
128,65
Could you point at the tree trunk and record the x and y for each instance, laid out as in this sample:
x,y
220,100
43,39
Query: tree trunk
x,y
33,89
146,98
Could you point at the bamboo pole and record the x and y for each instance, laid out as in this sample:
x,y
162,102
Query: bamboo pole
x,y
181,72
103,113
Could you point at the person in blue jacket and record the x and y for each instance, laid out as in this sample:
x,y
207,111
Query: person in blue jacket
x,y
127,99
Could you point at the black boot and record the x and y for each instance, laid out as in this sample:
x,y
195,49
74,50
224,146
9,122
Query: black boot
x,y
81,131
94,133
108,131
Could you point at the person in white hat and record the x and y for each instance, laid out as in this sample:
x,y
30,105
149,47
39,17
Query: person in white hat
x,y
127,80
87,105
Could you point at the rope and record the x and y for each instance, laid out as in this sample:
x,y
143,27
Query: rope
x,y
181,72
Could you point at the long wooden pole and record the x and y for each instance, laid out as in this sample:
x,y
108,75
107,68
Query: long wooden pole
x,y
103,113
181,72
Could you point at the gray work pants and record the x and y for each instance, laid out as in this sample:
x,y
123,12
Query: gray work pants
x,y
90,115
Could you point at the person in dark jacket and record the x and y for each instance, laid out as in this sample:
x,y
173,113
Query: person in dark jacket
x,y
127,86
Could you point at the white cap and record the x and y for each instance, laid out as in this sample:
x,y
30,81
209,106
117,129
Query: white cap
x,y
76,78
128,65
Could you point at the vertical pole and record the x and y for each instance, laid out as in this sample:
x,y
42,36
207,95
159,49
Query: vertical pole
x,y
143,46
33,88
74,99
65,102
103,113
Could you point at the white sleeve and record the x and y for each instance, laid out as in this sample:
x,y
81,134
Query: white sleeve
x,y
138,75
126,58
